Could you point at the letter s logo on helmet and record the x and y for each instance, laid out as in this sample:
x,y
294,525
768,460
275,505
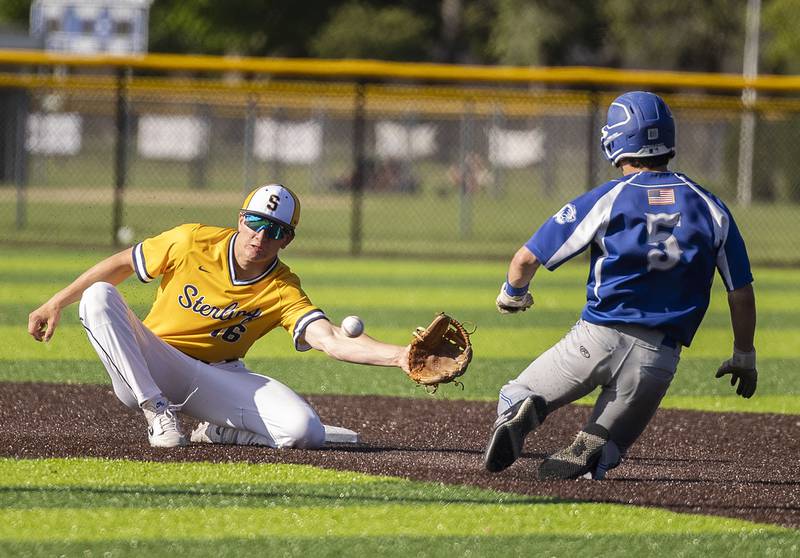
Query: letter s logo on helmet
x,y
276,202
639,124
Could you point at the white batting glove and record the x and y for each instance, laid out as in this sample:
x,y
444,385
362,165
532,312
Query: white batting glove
x,y
742,367
510,304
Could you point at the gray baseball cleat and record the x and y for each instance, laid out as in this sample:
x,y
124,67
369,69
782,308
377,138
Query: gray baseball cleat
x,y
164,430
577,459
510,429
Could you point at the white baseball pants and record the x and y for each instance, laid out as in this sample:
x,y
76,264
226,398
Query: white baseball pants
x,y
630,364
142,366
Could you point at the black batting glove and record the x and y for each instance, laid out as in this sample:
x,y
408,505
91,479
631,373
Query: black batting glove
x,y
742,368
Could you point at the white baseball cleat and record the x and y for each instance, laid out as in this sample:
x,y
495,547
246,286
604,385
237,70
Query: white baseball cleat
x,y
165,429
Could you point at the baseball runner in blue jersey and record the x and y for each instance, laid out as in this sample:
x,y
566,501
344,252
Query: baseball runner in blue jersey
x,y
656,239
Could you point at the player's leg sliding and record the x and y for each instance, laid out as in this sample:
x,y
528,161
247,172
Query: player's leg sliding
x,y
509,432
591,455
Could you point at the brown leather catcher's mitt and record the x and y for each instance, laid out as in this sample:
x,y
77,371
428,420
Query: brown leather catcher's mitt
x,y
439,353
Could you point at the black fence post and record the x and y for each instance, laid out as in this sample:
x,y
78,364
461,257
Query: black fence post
x,y
250,115
120,154
22,109
592,136
357,188
278,118
198,167
466,150
14,109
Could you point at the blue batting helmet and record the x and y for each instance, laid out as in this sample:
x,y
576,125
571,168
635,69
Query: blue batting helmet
x,y
639,124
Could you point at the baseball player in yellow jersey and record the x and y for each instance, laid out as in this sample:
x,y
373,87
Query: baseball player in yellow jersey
x,y
221,290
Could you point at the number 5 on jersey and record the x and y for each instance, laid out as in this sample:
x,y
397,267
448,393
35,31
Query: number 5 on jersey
x,y
667,252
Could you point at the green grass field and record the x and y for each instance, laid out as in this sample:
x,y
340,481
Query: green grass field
x,y
102,508
89,507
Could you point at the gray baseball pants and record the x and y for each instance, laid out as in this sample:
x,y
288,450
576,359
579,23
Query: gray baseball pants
x,y
631,364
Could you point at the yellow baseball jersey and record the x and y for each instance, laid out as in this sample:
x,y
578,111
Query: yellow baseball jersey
x,y
202,309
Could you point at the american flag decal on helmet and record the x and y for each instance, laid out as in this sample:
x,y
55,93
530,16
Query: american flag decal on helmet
x,y
661,196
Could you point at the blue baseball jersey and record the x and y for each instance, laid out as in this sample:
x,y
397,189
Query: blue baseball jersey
x,y
655,240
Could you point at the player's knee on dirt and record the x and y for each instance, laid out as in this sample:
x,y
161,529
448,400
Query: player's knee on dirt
x,y
300,428
285,418
307,433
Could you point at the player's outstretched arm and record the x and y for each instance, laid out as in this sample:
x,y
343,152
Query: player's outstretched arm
x,y
43,321
331,340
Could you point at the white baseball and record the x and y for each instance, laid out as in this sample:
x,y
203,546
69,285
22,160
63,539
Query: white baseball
x,y
125,235
352,326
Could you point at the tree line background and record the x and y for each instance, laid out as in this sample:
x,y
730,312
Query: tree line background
x,y
668,35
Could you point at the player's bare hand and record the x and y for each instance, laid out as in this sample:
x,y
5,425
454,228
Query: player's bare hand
x,y
742,368
42,322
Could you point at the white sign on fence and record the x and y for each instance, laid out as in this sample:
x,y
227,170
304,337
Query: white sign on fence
x,y
176,138
91,26
290,142
54,133
515,148
399,141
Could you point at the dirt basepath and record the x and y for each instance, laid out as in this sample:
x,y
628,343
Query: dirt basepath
x,y
736,465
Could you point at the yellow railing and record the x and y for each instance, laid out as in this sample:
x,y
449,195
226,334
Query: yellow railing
x,y
377,70
307,95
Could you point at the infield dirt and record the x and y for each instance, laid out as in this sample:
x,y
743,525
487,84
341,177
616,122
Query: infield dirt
x,y
728,464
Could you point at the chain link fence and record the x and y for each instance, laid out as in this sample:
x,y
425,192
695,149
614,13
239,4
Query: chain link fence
x,y
380,169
